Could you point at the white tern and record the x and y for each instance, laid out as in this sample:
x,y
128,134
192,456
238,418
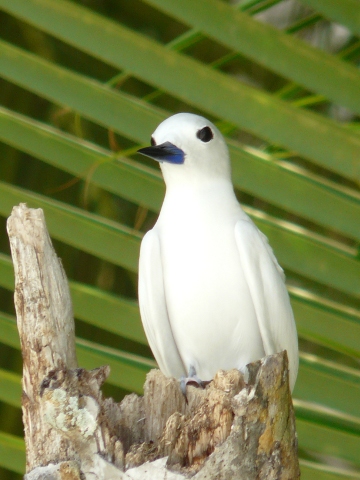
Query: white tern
x,y
212,295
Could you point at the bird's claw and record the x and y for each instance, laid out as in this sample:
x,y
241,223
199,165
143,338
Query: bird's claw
x,y
191,379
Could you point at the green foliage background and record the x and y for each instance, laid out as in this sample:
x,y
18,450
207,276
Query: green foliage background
x,y
84,83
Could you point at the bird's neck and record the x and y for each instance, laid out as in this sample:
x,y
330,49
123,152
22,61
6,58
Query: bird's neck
x,y
203,187
196,173
202,200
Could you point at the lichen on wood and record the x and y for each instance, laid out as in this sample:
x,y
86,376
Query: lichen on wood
x,y
231,429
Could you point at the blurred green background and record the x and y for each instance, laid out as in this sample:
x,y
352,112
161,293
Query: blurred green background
x,y
83,85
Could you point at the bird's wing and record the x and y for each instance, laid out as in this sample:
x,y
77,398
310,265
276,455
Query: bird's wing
x,y
153,308
266,281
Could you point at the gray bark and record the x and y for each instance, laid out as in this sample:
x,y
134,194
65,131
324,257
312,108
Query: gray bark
x,y
229,430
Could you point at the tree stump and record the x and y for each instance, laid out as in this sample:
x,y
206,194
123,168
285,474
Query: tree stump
x,y
231,429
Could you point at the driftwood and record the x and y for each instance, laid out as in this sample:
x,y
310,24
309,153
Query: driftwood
x,y
229,430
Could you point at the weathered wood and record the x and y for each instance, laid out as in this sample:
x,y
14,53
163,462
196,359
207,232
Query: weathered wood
x,y
229,430
63,413
263,442
45,323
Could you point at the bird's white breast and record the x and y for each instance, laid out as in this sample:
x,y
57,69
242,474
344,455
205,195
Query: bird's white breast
x,y
208,300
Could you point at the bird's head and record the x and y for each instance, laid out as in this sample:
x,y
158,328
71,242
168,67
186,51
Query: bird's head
x,y
189,148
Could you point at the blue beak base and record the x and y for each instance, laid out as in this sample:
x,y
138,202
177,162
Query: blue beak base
x,y
166,152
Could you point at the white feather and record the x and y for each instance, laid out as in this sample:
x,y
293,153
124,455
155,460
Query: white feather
x,y
153,308
266,279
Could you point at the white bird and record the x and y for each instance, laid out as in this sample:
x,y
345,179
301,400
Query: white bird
x,y
212,295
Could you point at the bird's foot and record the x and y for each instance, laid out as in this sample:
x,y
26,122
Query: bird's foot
x,y
191,379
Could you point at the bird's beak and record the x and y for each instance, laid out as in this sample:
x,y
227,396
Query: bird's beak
x,y
166,152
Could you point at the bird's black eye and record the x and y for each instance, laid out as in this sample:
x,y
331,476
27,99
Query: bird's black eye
x,y
205,134
152,142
